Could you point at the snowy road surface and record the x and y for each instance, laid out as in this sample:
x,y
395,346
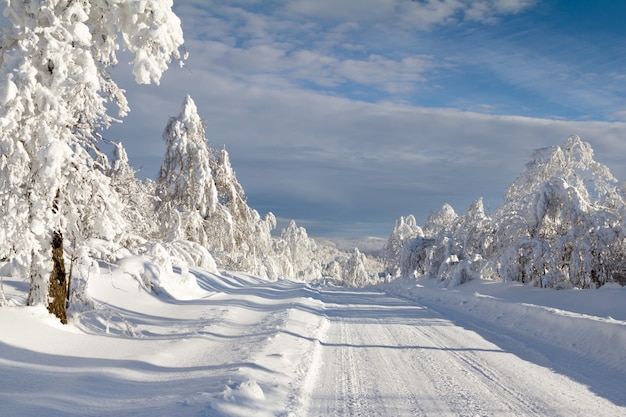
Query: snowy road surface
x,y
238,346
383,356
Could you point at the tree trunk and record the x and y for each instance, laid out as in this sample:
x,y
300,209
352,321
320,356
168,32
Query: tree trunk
x,y
58,287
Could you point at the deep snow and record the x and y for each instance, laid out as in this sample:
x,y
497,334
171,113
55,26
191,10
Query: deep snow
x,y
228,344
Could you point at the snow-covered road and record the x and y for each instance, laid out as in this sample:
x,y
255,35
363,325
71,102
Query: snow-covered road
x,y
235,345
385,356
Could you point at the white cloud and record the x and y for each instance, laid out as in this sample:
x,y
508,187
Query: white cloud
x,y
420,14
300,153
620,115
270,89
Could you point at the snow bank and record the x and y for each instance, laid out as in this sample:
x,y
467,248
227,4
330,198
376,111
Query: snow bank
x,y
588,323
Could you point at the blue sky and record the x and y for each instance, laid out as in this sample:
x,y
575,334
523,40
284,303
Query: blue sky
x,y
346,114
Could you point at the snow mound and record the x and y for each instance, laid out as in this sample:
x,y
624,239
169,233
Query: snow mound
x,y
588,323
161,277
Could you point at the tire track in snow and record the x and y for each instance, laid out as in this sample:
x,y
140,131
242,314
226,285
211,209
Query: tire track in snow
x,y
385,356
359,376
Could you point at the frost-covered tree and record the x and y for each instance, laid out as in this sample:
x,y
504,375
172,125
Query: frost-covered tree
x,y
54,90
185,180
560,224
202,201
415,257
452,248
405,230
244,236
138,198
355,272
440,227
296,253
185,184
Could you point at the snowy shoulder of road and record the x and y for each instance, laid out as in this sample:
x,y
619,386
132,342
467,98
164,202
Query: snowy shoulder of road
x,y
152,341
591,323
579,333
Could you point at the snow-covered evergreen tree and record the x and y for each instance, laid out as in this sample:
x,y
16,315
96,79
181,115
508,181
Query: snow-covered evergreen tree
x,y
244,237
54,88
185,180
185,184
405,230
138,198
201,200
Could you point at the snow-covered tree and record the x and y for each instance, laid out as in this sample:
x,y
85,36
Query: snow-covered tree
x,y
185,180
296,254
244,236
138,198
185,184
561,225
474,232
441,227
355,272
555,227
405,230
201,200
54,90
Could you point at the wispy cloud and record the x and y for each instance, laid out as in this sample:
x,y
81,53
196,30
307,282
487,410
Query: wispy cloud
x,y
419,14
357,112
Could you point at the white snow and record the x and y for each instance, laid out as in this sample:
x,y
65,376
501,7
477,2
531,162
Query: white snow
x,y
226,344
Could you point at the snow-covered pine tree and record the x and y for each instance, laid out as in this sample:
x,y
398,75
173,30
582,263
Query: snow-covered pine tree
x,y
54,88
201,200
185,184
245,237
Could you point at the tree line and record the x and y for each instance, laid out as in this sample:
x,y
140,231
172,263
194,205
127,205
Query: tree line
x,y
561,225
64,203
